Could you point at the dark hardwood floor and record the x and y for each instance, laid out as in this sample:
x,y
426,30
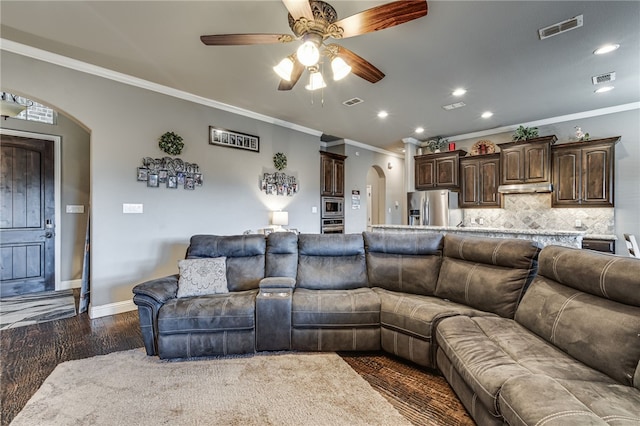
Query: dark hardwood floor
x,y
29,354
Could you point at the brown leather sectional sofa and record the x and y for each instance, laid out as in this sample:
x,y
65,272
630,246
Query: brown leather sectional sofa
x,y
524,337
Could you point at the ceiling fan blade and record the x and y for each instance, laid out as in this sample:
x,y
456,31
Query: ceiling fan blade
x,y
243,39
298,69
299,8
381,17
360,66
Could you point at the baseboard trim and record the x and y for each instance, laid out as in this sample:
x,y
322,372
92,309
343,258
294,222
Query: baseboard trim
x,y
111,309
65,285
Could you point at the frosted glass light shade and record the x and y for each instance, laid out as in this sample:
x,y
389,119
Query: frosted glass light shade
x,y
280,218
308,54
315,81
340,68
284,68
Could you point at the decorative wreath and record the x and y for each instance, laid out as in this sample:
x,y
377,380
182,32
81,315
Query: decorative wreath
x,y
280,161
171,143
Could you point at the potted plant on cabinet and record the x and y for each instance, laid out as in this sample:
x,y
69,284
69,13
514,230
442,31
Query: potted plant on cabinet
x,y
525,133
436,144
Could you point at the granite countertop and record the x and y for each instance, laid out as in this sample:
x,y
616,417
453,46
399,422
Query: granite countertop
x,y
482,229
601,237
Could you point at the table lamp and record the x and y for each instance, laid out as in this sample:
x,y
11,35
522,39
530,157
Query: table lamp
x,y
279,219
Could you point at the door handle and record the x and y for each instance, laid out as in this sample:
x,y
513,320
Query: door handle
x,y
48,234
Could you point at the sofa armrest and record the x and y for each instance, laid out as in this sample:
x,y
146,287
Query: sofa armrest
x,y
277,282
149,297
160,289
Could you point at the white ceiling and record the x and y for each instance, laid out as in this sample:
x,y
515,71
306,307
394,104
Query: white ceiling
x,y
490,48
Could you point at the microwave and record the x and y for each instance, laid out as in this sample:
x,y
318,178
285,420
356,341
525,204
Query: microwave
x,y
332,207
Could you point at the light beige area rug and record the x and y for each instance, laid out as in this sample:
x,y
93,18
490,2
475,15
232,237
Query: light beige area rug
x,y
130,388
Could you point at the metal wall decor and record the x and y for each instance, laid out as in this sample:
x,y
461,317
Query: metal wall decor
x,y
233,139
279,184
170,172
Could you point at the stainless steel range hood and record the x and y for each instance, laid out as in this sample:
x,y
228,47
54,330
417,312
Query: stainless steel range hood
x,y
525,188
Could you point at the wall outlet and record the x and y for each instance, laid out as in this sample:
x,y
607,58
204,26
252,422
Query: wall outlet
x,y
473,221
578,223
314,209
480,221
132,208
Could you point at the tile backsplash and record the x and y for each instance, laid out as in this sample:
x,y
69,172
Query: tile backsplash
x,y
533,211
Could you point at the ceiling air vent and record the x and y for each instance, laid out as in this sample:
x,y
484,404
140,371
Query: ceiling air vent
x,y
352,102
560,27
604,78
453,106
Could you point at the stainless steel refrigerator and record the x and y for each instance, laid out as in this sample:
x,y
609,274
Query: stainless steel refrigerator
x,y
438,207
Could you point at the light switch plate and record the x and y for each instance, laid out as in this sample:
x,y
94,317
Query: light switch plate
x,y
314,209
74,208
132,208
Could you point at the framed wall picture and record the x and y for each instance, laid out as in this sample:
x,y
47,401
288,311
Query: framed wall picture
x,y
233,139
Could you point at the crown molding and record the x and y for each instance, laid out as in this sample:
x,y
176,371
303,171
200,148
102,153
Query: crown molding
x,y
76,65
552,120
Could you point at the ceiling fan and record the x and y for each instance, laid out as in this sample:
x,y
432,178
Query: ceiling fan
x,y
315,21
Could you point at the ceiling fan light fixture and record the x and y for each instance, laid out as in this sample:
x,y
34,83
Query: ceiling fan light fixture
x,y
315,81
285,68
340,68
308,53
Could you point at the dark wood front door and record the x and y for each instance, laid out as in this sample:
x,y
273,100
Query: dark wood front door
x,y
27,243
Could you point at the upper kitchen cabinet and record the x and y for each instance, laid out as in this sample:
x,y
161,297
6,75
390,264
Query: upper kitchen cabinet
x,y
438,170
583,173
526,161
479,180
332,174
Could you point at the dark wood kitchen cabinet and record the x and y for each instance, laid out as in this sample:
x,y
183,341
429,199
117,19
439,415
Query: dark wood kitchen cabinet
x,y
438,170
479,180
526,161
332,174
583,173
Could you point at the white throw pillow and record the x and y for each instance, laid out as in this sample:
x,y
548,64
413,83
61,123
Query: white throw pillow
x,y
199,277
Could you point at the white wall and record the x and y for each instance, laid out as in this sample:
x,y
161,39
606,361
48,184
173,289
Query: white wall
x,y
125,123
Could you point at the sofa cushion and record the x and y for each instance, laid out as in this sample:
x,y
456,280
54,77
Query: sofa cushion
x,y
282,255
331,262
245,257
489,274
335,308
200,277
603,275
540,399
204,314
416,315
403,262
601,333
487,351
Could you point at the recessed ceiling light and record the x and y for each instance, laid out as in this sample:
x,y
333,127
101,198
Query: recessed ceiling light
x,y
419,129
487,114
383,114
458,92
606,49
604,89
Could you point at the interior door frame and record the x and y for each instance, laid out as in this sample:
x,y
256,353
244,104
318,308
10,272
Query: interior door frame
x,y
57,178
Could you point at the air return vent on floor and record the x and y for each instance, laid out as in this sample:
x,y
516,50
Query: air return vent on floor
x,y
603,78
560,27
352,102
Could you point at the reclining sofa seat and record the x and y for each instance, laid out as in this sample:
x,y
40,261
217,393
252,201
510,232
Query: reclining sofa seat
x,y
571,356
333,307
418,286
205,325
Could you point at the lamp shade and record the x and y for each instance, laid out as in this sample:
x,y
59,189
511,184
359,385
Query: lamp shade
x,y
284,68
280,218
308,53
340,68
315,81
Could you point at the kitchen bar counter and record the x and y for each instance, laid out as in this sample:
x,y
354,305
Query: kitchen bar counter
x,y
542,236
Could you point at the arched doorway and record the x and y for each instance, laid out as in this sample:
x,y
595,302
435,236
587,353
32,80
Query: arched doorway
x,y
376,196
71,141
